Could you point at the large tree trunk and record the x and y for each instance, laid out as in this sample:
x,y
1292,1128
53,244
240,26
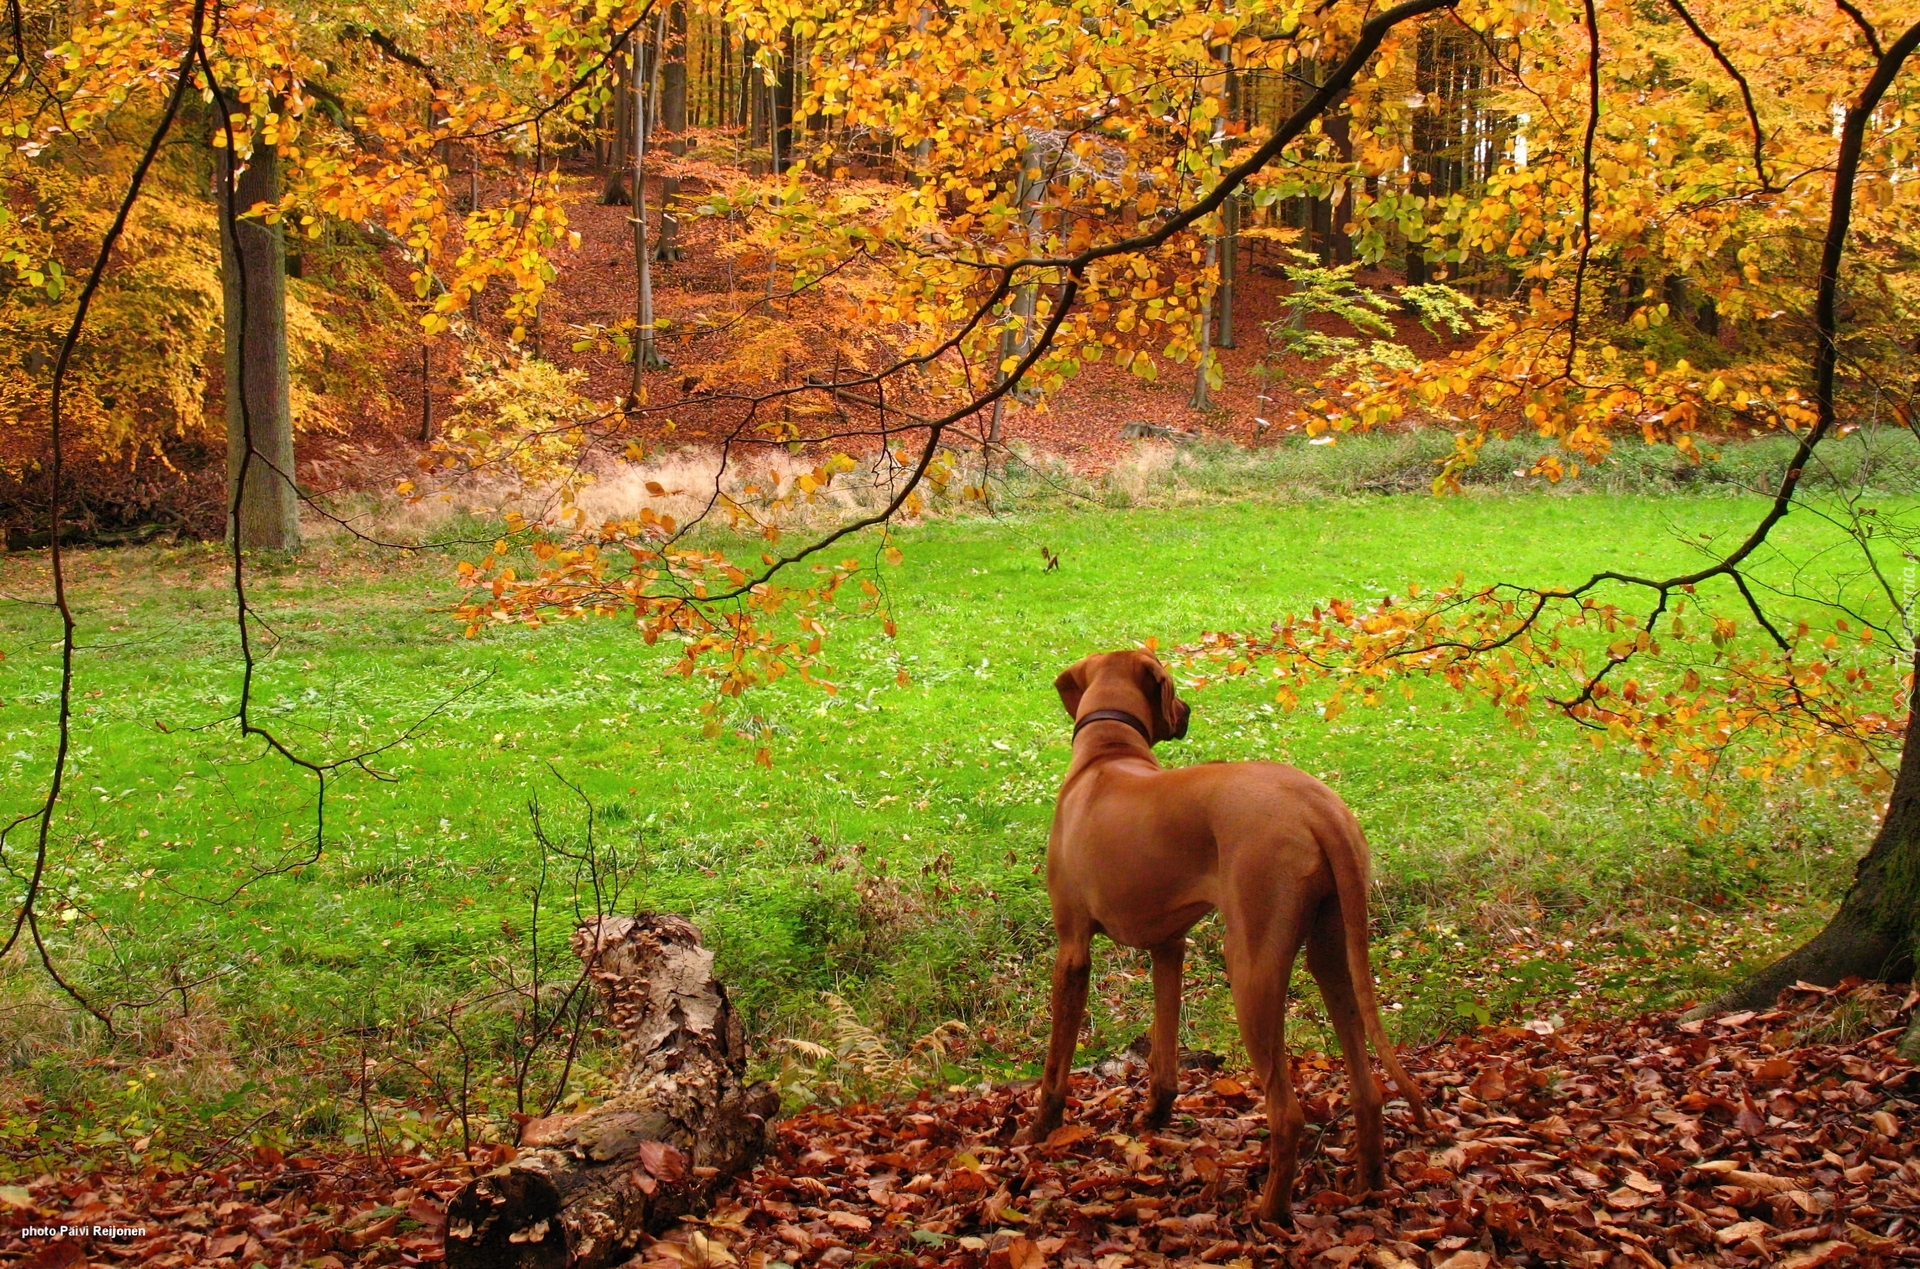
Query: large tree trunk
x,y
265,515
1875,932
681,1124
673,121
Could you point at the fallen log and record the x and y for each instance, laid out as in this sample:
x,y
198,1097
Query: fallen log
x,y
583,1188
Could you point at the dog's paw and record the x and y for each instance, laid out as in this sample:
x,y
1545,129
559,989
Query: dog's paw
x,y
1158,1112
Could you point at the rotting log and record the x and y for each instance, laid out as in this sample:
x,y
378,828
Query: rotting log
x,y
583,1188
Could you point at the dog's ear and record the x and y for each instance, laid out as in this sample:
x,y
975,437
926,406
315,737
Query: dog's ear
x,y
1157,685
1072,685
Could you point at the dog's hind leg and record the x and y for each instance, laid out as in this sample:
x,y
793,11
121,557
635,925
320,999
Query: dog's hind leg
x,y
1072,964
1259,975
1327,959
1163,1065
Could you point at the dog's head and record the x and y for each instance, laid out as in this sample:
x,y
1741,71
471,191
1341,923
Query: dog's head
x,y
1132,681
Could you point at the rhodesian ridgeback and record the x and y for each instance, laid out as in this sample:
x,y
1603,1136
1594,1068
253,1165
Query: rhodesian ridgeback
x,y
1139,853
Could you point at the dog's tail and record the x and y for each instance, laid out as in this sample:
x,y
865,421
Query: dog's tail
x,y
1350,885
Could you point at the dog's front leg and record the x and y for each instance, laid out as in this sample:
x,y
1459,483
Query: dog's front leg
x,y
1163,1064
1072,965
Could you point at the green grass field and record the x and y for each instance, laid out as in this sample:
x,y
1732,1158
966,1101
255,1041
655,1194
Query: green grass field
x,y
891,853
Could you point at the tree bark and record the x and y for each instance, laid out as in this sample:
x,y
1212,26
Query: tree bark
x,y
614,192
263,505
1229,219
756,98
1201,400
1016,338
673,121
646,353
783,86
1874,933
1339,126
681,1124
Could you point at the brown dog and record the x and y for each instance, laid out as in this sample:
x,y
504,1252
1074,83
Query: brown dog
x,y
1139,854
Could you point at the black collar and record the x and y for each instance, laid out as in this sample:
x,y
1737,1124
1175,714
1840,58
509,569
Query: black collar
x,y
1113,716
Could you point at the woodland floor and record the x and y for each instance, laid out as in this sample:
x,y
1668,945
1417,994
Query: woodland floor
x,y
1784,1138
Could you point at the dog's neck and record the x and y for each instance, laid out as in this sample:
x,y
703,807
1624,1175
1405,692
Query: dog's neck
x,y
1113,716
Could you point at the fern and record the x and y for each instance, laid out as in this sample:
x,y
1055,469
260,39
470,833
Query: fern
x,y
859,1062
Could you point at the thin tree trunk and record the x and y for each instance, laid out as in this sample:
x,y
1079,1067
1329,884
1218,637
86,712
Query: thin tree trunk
x,y
645,355
426,393
1201,399
743,111
1016,338
258,383
756,102
673,121
1876,931
1229,268
473,206
923,147
723,88
1229,220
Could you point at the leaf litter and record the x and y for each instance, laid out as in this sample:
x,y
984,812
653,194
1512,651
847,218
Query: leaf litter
x,y
1778,1138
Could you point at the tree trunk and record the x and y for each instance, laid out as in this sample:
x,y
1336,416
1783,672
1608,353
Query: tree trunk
x,y
1229,217
1201,399
754,101
1016,338
673,121
646,355
473,206
426,393
783,86
680,1125
1339,126
265,514
614,193
1229,268
1875,932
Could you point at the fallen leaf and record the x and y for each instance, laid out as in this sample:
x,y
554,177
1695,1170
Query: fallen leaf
x,y
1489,1085
1740,1232
1818,1254
1466,1260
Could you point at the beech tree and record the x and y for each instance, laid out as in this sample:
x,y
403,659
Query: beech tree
x,y
264,505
